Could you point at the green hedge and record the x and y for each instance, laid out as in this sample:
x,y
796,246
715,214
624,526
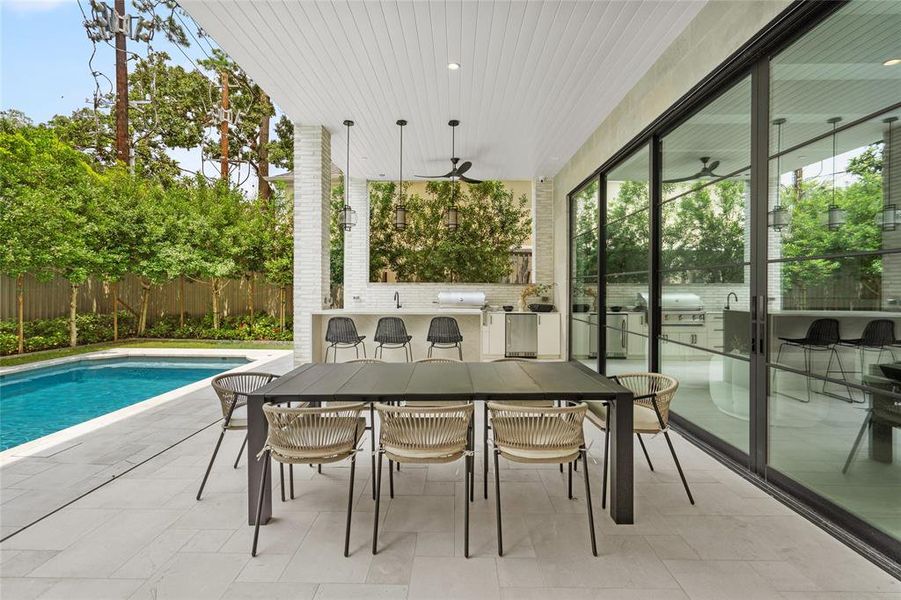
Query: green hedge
x,y
46,334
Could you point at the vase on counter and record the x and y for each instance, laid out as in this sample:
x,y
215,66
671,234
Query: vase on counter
x,y
521,305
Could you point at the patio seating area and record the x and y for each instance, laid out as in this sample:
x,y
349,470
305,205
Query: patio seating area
x,y
144,534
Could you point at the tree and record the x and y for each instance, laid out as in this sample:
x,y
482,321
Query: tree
x,y
213,236
492,224
279,264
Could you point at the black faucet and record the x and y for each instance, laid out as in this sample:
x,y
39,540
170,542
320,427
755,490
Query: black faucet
x,y
728,296
397,299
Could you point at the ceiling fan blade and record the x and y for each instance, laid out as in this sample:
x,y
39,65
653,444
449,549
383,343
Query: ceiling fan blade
x,y
697,175
469,180
464,167
446,175
712,166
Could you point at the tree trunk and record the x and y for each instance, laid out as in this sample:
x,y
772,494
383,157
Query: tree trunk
x,y
251,288
181,301
264,191
73,307
115,291
145,300
214,286
20,299
282,295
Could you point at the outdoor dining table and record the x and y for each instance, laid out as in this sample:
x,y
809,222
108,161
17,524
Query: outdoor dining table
x,y
521,381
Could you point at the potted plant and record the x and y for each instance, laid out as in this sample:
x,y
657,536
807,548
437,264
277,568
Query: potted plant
x,y
530,291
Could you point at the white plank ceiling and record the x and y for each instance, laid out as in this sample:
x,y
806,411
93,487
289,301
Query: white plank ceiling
x,y
536,78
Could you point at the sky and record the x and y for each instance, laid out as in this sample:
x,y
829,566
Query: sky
x,y
44,71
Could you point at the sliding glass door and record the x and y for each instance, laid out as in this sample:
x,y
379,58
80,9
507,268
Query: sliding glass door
x,y
583,275
834,263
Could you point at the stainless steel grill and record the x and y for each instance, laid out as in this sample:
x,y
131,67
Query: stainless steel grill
x,y
678,309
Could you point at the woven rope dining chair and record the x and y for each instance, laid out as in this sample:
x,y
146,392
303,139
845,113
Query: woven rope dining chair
x,y
653,394
232,390
311,436
534,435
424,435
487,425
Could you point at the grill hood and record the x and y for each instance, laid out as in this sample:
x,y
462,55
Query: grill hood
x,y
675,301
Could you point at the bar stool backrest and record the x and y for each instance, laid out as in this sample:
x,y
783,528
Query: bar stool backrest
x,y
878,333
444,330
822,332
391,330
341,330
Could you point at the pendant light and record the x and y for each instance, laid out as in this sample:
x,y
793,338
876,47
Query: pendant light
x,y
400,211
348,216
835,216
888,218
452,215
778,218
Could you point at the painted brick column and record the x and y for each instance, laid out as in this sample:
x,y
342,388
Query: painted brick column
x,y
312,191
891,194
543,230
356,244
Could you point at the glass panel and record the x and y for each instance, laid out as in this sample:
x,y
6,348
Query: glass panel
x,y
584,250
583,341
837,70
713,144
585,209
850,453
626,352
708,225
713,389
625,295
628,243
724,323
834,276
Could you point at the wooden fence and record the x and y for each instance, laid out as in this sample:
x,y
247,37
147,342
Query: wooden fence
x,y
45,300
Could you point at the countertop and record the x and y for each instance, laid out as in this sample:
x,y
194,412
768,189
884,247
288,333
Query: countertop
x,y
436,311
838,314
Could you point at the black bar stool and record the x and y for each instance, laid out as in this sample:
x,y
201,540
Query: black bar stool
x,y
391,333
444,332
342,333
822,336
879,334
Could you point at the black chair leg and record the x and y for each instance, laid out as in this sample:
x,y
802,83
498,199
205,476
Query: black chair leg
x,y
467,488
604,480
594,546
569,481
281,480
378,497
678,466
645,450
291,480
319,469
240,451
863,429
391,477
372,444
485,453
460,351
210,466
497,496
350,505
256,524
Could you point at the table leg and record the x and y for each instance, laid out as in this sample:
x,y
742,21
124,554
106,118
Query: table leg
x,y
621,461
257,430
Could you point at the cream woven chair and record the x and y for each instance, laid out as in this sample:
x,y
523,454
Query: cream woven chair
x,y
487,425
424,435
550,435
232,390
312,436
653,394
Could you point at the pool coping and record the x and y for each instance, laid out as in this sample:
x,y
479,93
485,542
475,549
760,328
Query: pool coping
x,y
257,360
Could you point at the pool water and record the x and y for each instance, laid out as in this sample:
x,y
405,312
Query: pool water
x,y
38,402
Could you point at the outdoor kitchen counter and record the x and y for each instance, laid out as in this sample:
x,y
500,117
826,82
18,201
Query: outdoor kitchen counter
x,y
416,321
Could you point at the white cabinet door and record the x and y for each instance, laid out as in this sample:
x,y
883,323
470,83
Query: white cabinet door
x,y
549,334
496,334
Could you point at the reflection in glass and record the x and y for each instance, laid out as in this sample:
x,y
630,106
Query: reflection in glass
x,y
583,285
713,390
626,352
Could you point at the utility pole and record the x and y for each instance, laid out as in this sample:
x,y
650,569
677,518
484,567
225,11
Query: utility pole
x,y
123,152
223,128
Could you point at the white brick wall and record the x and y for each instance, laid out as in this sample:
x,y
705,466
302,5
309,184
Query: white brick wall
x,y
543,230
312,187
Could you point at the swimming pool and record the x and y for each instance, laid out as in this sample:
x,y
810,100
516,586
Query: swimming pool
x,y
37,402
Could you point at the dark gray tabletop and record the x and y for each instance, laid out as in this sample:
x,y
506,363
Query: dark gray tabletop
x,y
464,381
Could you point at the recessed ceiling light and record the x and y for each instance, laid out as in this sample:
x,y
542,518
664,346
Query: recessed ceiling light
x,y
453,66
892,61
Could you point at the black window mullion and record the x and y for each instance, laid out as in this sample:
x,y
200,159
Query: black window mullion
x,y
602,270
655,197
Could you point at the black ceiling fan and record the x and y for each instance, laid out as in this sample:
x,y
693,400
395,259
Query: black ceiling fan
x,y
457,171
707,170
